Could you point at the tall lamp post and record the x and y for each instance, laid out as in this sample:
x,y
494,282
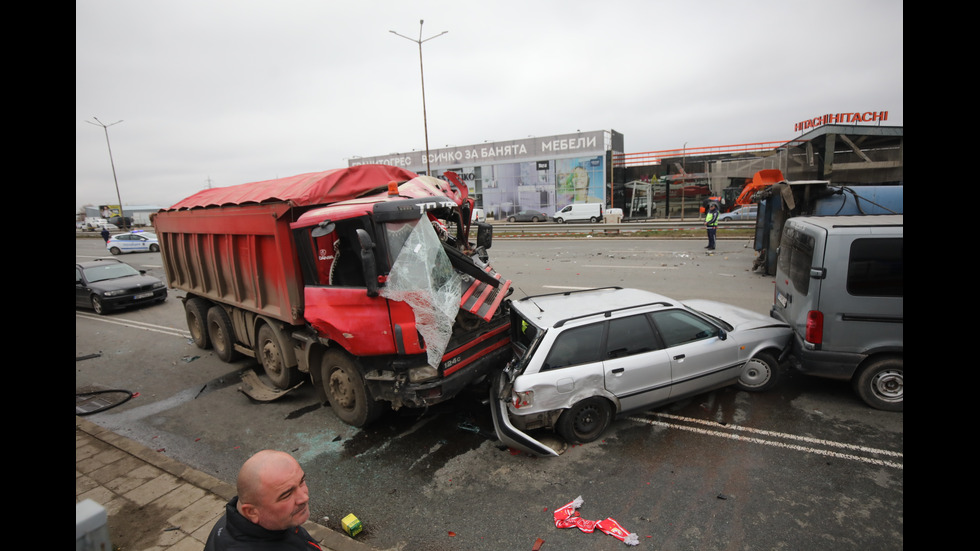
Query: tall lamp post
x,y
105,127
425,121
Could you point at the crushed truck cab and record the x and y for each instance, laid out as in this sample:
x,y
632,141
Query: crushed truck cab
x,y
361,280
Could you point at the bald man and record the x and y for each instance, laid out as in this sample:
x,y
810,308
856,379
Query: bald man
x,y
271,505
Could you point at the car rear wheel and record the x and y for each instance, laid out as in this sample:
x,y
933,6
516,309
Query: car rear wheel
x,y
881,384
585,421
273,361
534,219
222,334
114,250
349,396
759,374
196,314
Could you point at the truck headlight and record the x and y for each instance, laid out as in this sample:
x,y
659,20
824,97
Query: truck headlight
x,y
422,374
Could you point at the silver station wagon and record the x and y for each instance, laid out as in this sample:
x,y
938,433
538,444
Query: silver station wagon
x,y
583,357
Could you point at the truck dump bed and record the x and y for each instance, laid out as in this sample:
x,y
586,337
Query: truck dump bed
x,y
233,244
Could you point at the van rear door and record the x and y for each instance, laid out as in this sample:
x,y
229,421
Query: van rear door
x,y
799,271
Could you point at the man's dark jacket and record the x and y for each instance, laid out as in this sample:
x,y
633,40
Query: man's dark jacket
x,y
233,532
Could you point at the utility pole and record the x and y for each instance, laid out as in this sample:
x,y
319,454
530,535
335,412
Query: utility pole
x,y
105,127
425,121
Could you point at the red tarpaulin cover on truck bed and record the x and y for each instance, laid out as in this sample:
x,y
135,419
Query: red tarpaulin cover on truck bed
x,y
315,188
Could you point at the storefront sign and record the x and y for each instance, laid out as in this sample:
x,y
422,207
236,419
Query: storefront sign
x,y
841,118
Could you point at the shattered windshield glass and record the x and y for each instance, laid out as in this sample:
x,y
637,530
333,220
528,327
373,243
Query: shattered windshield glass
x,y
423,277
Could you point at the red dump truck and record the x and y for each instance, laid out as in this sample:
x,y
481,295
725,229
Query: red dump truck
x,y
362,280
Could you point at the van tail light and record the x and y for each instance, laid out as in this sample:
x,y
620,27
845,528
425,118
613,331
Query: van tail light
x,y
814,327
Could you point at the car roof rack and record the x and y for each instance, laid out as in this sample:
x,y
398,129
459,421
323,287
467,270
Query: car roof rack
x,y
566,293
608,313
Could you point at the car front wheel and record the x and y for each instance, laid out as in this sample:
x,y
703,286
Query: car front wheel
x,y
585,421
97,305
759,374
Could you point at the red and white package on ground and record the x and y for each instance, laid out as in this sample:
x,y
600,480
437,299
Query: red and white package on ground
x,y
568,517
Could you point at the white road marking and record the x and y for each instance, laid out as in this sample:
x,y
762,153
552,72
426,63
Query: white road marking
x,y
767,438
138,325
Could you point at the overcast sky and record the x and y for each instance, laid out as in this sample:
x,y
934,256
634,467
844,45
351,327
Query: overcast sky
x,y
222,92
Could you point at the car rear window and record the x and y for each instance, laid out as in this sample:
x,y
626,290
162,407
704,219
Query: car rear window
x,y
578,345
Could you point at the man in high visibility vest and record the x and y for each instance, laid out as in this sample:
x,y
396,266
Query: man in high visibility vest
x,y
711,222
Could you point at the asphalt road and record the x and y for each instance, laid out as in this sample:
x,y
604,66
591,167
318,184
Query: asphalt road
x,y
806,466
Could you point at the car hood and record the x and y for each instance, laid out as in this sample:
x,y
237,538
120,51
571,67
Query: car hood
x,y
742,319
127,282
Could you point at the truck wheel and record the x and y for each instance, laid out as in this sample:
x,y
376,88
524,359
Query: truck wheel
x,y
880,384
584,421
222,334
759,374
349,397
196,313
273,361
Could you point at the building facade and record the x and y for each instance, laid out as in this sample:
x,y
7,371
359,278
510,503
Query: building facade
x,y
535,173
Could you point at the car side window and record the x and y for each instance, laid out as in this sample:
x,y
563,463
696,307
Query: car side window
x,y
629,336
678,327
578,345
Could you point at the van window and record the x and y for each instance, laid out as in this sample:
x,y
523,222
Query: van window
x,y
877,267
796,258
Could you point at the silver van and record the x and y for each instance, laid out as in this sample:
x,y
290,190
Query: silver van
x,y
840,285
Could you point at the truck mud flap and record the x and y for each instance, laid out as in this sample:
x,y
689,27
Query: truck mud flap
x,y
510,435
253,387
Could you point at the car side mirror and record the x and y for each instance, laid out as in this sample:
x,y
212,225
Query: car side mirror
x,y
722,334
484,235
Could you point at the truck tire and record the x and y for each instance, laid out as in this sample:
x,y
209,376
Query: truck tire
x,y
196,313
881,384
222,334
349,397
274,361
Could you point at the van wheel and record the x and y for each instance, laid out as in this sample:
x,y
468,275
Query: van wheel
x,y
593,219
881,385
349,396
221,334
273,361
759,374
196,313
560,220
585,421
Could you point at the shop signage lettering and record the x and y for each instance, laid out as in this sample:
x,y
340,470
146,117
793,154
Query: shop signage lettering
x,y
841,118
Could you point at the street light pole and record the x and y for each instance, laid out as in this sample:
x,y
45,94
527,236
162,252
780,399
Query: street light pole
x,y
425,121
105,127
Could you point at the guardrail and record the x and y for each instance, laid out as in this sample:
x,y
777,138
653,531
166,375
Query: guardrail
x,y
506,229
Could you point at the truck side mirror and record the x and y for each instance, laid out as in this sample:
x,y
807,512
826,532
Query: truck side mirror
x,y
368,266
484,235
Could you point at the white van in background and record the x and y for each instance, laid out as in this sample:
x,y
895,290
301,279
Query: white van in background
x,y
840,285
579,212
